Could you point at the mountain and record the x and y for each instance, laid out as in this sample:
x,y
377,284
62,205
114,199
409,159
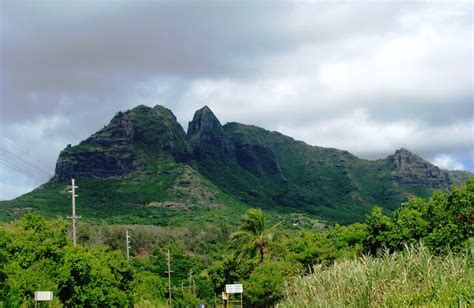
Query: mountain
x,y
130,142
144,168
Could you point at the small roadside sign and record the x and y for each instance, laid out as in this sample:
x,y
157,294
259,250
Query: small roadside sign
x,y
43,296
234,288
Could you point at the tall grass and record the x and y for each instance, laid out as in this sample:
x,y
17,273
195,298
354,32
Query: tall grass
x,y
411,277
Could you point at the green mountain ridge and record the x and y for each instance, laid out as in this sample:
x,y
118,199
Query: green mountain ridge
x,y
144,168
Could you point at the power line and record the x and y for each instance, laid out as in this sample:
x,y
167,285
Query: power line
x,y
20,170
14,168
19,149
26,162
17,164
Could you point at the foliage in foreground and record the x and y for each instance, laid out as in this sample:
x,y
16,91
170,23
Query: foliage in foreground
x,y
253,235
36,254
444,222
410,277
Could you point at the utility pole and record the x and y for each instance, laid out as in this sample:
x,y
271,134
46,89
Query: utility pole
x,y
73,217
127,244
192,284
190,280
169,276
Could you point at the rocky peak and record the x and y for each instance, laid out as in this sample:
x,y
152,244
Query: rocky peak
x,y
204,122
402,158
131,140
206,134
408,168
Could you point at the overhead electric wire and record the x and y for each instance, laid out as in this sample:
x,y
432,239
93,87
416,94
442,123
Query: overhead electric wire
x,y
20,170
25,161
16,168
19,149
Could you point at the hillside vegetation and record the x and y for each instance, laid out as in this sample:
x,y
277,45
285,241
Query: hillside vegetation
x,y
143,168
362,264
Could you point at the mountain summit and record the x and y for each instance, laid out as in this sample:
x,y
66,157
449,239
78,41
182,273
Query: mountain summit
x,y
205,133
204,123
147,164
130,141
412,169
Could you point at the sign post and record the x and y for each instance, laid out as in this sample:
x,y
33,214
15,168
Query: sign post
x,y
233,289
43,296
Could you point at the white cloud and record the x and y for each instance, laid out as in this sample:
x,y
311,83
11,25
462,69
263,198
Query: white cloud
x,y
447,162
361,76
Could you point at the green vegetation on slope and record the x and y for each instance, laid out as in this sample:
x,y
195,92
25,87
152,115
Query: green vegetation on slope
x,y
35,253
165,194
267,169
142,168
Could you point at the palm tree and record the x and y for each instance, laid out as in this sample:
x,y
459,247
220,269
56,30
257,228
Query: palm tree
x,y
253,236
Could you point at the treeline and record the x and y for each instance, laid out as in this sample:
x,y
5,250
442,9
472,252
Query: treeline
x,y
36,254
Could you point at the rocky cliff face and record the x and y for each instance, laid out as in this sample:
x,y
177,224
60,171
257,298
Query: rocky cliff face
x,y
131,140
408,168
211,141
256,166
206,136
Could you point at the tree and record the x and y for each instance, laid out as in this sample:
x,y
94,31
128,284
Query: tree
x,y
99,277
30,250
253,237
445,222
453,222
379,228
264,287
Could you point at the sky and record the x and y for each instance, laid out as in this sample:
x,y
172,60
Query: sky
x,y
364,76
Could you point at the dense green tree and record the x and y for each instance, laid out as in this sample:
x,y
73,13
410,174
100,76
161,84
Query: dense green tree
x,y
94,278
150,287
379,227
310,248
30,250
453,222
229,270
445,222
253,236
265,285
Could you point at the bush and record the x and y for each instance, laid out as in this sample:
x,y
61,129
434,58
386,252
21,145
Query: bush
x,y
445,222
265,284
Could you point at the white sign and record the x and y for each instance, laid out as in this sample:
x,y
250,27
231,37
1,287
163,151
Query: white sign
x,y
234,288
43,296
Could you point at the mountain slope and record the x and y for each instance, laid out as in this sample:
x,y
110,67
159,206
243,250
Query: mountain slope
x,y
269,169
143,168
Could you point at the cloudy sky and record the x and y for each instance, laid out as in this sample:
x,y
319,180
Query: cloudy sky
x,y
367,77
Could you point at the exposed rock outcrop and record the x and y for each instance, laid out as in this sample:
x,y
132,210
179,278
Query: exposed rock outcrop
x,y
409,168
207,137
254,165
132,139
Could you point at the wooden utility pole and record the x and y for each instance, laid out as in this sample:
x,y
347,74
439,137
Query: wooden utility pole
x,y
192,283
127,244
190,280
169,277
73,217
